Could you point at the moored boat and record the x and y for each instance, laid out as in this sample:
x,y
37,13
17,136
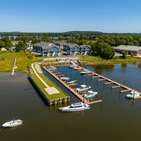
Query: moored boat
x,y
90,94
71,82
65,78
12,123
76,107
133,95
83,88
85,71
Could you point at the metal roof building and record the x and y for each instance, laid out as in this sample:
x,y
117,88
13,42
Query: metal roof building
x,y
134,50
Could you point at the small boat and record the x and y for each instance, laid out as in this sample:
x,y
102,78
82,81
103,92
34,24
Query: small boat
x,y
71,82
85,71
12,123
76,107
90,94
133,95
83,89
52,68
65,78
78,68
83,86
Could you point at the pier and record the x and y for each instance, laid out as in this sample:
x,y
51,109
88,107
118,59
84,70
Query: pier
x,y
72,90
114,84
14,67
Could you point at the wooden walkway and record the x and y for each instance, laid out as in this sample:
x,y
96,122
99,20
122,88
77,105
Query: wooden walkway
x,y
109,81
71,89
14,67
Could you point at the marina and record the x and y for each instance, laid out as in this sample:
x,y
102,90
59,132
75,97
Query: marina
x,y
75,92
99,120
108,81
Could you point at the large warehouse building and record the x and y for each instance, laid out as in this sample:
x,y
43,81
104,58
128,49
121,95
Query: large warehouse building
x,y
134,50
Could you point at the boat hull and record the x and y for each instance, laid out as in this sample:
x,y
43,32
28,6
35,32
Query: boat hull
x,y
12,124
74,110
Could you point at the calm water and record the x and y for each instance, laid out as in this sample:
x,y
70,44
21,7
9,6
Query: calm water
x,y
114,119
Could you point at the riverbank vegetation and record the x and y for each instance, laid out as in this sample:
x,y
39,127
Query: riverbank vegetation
x,y
24,60
41,87
116,60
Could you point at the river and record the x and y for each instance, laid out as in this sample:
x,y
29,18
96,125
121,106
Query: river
x,y
116,118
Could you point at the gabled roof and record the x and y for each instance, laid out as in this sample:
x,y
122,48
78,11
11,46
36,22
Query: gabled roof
x,y
45,45
128,48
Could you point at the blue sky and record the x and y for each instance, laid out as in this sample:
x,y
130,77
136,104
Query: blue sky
x,y
68,15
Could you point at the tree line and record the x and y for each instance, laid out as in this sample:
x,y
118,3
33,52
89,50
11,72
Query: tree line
x,y
101,43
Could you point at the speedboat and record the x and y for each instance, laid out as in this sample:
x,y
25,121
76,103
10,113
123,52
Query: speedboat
x,y
90,94
52,68
71,82
12,123
133,95
65,78
83,88
85,71
76,107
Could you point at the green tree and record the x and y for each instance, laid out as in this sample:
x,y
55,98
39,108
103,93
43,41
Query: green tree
x,y
20,46
124,54
2,44
102,49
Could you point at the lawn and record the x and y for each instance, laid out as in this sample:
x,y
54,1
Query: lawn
x,y
24,60
50,83
116,60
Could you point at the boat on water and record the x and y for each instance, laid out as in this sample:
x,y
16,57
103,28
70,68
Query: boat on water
x,y
90,94
76,107
12,123
133,95
65,78
52,68
71,82
83,88
77,68
85,71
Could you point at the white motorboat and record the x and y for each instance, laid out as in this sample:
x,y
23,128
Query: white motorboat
x,y
72,82
12,123
52,68
65,78
133,95
83,86
76,107
85,71
83,89
90,94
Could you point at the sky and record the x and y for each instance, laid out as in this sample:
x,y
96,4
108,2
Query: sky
x,y
70,15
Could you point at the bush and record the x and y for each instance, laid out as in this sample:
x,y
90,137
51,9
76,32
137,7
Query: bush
x,y
102,49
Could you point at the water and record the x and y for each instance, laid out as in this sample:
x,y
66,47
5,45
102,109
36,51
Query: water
x,y
114,119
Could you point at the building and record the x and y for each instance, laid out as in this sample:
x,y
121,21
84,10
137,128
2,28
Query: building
x,y
85,49
74,49
71,49
46,49
131,50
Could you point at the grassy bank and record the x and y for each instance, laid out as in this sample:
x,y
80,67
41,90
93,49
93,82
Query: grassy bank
x,y
116,60
23,60
51,98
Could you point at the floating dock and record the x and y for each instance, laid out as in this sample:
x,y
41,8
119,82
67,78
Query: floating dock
x,y
111,82
72,90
